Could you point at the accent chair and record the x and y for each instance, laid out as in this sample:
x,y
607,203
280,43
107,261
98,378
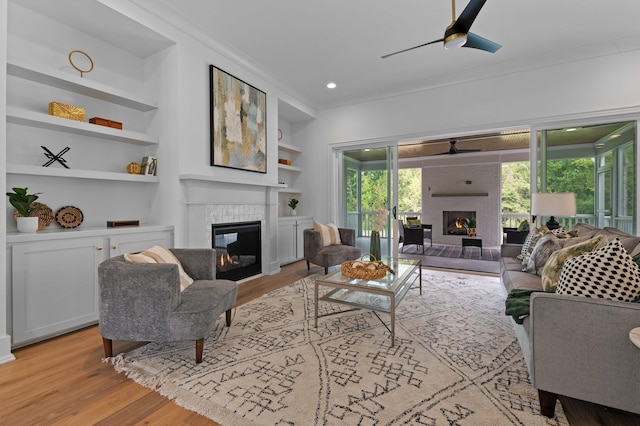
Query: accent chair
x,y
315,252
143,301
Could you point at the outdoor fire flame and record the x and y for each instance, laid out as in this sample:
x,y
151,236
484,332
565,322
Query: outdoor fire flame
x,y
459,223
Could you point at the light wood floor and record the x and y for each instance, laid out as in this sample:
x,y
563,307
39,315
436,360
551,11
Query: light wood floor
x,y
63,381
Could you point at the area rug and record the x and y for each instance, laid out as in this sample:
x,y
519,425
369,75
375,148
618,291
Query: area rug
x,y
455,362
442,250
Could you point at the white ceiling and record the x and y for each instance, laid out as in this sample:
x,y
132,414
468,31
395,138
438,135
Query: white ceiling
x,y
303,45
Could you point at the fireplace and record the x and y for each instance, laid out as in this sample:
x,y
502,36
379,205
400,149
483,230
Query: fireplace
x,y
453,222
238,249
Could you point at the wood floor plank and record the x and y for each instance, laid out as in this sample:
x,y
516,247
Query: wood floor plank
x,y
63,381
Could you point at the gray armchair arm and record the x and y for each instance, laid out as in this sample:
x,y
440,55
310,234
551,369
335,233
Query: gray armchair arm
x,y
122,288
510,250
198,263
312,243
347,236
581,349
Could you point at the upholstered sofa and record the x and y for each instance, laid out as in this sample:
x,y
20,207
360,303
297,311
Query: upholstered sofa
x,y
577,346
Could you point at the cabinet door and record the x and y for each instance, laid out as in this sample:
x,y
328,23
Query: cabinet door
x,y
133,243
54,286
302,224
286,242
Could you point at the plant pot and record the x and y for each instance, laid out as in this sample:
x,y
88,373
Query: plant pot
x,y
27,224
471,232
293,212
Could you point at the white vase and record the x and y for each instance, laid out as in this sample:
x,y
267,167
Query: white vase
x,y
27,224
293,212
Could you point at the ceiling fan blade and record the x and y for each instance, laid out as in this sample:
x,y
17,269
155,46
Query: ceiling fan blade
x,y
411,48
468,15
476,42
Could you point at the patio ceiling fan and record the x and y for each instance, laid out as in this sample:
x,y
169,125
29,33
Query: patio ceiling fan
x,y
454,150
457,33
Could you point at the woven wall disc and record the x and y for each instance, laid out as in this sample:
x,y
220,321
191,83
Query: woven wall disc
x,y
69,217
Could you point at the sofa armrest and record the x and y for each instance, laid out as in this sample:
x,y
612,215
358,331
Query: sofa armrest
x,y
312,243
198,263
510,250
581,348
347,236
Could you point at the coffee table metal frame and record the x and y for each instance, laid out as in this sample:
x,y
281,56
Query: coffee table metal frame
x,y
380,295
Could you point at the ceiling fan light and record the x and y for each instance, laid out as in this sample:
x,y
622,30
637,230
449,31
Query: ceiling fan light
x,y
454,41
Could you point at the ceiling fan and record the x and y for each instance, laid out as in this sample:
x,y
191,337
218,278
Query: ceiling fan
x,y
454,150
457,33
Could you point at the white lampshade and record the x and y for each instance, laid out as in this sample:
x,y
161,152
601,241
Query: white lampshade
x,y
553,204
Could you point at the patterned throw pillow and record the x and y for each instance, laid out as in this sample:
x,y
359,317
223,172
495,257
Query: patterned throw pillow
x,y
553,267
329,234
157,254
530,242
545,246
607,273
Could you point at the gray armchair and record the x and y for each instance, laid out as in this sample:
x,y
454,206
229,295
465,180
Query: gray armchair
x,y
143,302
316,253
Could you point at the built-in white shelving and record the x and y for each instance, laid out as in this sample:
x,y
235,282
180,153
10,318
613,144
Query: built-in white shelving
x,y
20,169
289,148
290,168
83,86
49,122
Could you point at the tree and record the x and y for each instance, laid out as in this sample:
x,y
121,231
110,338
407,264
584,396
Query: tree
x,y
410,190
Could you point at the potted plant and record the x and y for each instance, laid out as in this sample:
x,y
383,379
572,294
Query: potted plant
x,y
24,205
470,224
293,203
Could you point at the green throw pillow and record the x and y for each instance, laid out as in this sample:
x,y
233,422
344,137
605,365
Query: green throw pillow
x,y
524,225
414,222
553,267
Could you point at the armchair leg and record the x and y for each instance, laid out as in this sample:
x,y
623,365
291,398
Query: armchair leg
x,y
326,270
108,347
308,266
199,349
547,403
228,317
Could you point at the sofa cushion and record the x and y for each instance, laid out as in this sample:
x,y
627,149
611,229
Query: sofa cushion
x,y
329,234
552,269
585,230
512,280
607,273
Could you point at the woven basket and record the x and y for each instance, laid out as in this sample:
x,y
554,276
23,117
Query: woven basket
x,y
365,270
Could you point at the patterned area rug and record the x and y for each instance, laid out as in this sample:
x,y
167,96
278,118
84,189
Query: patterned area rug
x,y
455,362
441,250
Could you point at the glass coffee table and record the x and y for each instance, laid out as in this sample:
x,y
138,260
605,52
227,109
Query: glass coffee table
x,y
379,295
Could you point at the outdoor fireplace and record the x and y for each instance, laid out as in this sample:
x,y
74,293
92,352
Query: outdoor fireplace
x,y
453,222
238,249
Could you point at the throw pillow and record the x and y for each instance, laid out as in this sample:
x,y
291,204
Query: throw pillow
x,y
532,243
528,241
546,245
329,234
162,255
552,269
607,273
414,222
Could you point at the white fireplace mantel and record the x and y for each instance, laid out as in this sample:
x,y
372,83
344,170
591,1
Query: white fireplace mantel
x,y
208,178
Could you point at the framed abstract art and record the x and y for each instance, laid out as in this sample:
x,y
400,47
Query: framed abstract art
x,y
238,123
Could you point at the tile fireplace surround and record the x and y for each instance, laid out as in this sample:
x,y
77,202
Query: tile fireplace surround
x,y
213,202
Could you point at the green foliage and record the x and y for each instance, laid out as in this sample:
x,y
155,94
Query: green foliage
x,y
410,190
374,190
515,187
23,201
292,203
574,175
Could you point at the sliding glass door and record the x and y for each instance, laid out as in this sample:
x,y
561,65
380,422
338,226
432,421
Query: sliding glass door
x,y
367,190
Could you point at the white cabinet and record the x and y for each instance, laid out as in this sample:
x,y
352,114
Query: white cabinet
x,y
291,238
53,277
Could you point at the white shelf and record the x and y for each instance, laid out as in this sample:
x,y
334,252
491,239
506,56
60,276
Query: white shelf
x,y
44,121
83,86
290,191
289,148
53,233
289,168
19,169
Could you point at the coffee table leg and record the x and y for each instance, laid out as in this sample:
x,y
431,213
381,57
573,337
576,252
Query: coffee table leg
x,y
315,298
420,275
393,321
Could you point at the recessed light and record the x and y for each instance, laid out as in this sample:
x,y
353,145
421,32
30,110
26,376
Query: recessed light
x,y
617,135
570,129
332,85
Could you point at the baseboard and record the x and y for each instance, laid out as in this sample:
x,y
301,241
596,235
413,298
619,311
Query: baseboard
x,y
5,349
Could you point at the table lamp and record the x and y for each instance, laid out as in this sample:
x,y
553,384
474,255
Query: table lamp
x,y
553,204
